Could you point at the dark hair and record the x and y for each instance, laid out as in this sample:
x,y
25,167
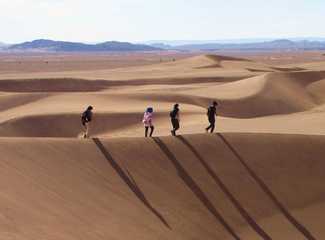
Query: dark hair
x,y
215,103
90,108
176,105
150,109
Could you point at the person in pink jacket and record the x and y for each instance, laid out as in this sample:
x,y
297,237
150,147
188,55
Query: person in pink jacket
x,y
147,121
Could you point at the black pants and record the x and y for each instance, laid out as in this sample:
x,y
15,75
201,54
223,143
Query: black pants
x,y
211,127
175,124
146,131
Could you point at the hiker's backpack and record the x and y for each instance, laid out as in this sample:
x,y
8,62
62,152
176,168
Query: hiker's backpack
x,y
173,113
84,116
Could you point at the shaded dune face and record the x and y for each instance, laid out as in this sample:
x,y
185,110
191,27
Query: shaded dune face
x,y
281,93
83,85
69,125
66,125
196,186
9,101
52,85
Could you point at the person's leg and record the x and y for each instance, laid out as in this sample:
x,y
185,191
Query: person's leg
x,y
87,130
176,126
146,131
212,127
212,122
208,127
151,130
83,124
173,125
83,130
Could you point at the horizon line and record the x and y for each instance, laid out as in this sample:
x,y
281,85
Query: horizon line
x,y
182,41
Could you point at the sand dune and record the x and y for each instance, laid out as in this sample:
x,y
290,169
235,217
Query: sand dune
x,y
260,177
194,67
241,97
268,94
198,187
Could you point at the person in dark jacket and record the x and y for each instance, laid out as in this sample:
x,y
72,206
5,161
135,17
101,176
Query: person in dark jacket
x,y
175,119
86,118
212,113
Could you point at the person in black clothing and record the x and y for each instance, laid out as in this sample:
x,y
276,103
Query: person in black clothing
x,y
85,120
212,113
174,118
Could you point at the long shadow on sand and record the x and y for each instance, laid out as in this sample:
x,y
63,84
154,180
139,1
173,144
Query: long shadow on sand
x,y
268,192
129,180
224,188
193,186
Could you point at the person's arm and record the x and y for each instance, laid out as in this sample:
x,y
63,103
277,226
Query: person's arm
x,y
144,118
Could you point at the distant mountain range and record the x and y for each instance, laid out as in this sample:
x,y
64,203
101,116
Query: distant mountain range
x,y
282,44
62,46
174,43
43,45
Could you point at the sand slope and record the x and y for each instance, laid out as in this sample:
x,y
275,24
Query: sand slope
x,y
173,188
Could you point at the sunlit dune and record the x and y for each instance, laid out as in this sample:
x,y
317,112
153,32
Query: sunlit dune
x,y
261,176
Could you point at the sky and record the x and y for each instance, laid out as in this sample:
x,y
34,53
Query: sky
x,y
141,20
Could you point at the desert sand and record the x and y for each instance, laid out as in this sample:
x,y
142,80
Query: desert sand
x,y
261,176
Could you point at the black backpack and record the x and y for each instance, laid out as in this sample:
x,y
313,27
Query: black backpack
x,y
83,115
173,113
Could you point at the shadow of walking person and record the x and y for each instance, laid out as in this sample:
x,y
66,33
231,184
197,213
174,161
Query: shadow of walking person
x,y
302,229
224,188
129,180
193,186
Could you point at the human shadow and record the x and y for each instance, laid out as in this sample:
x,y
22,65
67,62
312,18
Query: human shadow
x,y
194,187
225,190
129,180
302,229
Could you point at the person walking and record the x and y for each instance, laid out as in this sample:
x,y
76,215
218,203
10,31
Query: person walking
x,y
175,119
86,118
212,113
147,121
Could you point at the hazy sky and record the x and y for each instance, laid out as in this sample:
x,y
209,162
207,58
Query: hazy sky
x,y
138,20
